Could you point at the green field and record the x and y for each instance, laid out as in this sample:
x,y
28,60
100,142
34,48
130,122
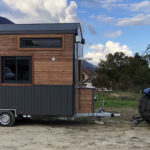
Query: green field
x,y
118,99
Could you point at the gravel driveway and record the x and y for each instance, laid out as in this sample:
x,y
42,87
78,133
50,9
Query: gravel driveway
x,y
115,134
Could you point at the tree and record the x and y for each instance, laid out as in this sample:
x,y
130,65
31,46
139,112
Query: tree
x,y
123,72
147,54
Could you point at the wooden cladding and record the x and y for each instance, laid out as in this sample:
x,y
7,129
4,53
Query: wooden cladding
x,y
41,36
85,100
44,70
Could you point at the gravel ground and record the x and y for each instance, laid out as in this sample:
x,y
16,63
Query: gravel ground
x,y
115,134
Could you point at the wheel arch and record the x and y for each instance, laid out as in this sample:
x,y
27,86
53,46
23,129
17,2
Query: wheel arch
x,y
12,110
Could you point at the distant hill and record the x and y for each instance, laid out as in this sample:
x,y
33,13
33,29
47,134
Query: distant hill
x,y
88,67
5,21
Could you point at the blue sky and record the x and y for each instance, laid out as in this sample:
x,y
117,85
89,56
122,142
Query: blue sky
x,y
108,25
136,36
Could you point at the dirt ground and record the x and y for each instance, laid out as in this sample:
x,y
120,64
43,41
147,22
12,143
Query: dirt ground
x,y
115,134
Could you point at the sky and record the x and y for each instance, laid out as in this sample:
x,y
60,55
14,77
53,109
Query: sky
x,y
108,26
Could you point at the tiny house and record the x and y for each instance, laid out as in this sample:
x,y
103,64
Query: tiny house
x,y
41,72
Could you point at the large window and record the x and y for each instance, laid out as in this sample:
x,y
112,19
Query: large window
x,y
40,42
16,69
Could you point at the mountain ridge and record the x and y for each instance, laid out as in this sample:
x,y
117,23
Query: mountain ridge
x,y
88,66
4,20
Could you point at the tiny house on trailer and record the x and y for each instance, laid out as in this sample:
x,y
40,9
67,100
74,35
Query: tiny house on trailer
x,y
41,72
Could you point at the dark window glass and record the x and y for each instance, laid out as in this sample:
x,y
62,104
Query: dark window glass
x,y
40,42
10,69
79,71
16,69
23,69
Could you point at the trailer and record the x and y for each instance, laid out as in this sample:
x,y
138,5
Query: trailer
x,y
41,73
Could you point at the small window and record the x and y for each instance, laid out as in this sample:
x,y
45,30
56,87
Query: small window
x,y
40,42
16,69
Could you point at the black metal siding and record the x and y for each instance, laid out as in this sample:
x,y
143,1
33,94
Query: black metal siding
x,y
53,100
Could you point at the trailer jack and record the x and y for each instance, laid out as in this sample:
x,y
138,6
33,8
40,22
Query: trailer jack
x,y
137,120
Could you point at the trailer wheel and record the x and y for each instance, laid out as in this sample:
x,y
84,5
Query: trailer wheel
x,y
144,107
7,118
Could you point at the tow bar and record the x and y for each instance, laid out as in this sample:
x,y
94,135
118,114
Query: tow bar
x,y
99,114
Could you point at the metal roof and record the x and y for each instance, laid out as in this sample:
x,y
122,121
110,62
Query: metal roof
x,y
39,28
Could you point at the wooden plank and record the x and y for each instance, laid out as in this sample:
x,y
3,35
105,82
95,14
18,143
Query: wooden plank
x,y
52,82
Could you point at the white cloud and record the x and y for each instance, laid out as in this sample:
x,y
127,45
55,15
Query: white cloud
x,y
39,11
107,4
100,51
91,29
139,19
143,6
141,15
105,19
112,35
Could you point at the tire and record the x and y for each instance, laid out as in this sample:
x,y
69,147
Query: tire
x,y
144,107
7,118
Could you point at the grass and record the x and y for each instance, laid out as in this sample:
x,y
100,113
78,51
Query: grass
x,y
118,99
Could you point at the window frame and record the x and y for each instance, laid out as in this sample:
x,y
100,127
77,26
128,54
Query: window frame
x,y
40,36
23,45
3,81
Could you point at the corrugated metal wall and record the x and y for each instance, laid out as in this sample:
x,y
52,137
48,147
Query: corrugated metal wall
x,y
38,100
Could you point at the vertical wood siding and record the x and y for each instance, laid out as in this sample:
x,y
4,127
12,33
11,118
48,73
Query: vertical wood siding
x,y
45,72
85,100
